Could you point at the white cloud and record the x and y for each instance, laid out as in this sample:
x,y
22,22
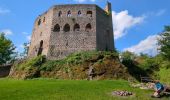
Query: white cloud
x,y
84,0
122,21
6,31
4,11
147,46
28,37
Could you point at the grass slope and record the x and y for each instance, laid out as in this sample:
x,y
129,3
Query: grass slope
x,y
48,89
164,75
105,65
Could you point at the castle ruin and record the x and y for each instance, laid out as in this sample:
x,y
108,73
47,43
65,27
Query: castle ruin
x,y
65,29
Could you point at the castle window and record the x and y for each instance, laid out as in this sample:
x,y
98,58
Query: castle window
x,y
88,27
56,28
41,43
79,13
89,13
76,27
69,13
59,14
40,48
67,28
39,21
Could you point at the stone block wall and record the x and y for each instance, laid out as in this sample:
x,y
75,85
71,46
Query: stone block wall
x,y
63,43
65,29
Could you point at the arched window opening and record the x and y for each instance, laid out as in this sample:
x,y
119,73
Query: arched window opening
x,y
88,27
60,14
79,13
39,21
76,27
89,13
69,13
67,28
40,48
56,28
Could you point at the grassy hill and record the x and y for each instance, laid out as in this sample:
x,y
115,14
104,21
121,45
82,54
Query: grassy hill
x,y
50,89
105,64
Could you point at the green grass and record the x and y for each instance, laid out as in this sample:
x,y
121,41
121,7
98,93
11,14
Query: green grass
x,y
49,89
164,75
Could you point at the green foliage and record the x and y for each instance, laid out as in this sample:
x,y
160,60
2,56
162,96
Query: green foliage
x,y
127,58
140,64
165,64
51,65
164,75
74,59
6,49
127,55
148,64
29,64
75,66
80,57
164,43
25,52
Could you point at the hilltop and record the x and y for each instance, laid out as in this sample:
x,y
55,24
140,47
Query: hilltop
x,y
105,65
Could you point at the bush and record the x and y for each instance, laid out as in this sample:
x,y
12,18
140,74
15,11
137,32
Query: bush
x,y
51,65
31,63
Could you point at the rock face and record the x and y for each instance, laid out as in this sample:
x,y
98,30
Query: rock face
x,y
88,66
65,29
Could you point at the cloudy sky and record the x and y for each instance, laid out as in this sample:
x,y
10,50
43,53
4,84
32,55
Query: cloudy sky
x,y
136,22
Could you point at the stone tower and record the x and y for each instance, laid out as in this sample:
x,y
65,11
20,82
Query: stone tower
x,y
65,29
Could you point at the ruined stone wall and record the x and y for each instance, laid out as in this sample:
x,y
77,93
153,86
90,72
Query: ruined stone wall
x,y
41,33
63,43
104,28
65,29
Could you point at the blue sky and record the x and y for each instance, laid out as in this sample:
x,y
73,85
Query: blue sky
x,y
136,22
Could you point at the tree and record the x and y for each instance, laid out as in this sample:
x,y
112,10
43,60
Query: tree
x,y
25,52
127,58
6,49
164,43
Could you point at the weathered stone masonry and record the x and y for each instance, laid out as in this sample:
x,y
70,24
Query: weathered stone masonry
x,y
65,29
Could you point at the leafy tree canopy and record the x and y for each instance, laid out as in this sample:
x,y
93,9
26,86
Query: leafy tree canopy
x,y
6,49
164,43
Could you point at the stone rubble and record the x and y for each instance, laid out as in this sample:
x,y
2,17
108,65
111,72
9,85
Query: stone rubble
x,y
122,93
143,86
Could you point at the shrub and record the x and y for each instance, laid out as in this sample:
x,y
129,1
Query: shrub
x,y
51,65
31,63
